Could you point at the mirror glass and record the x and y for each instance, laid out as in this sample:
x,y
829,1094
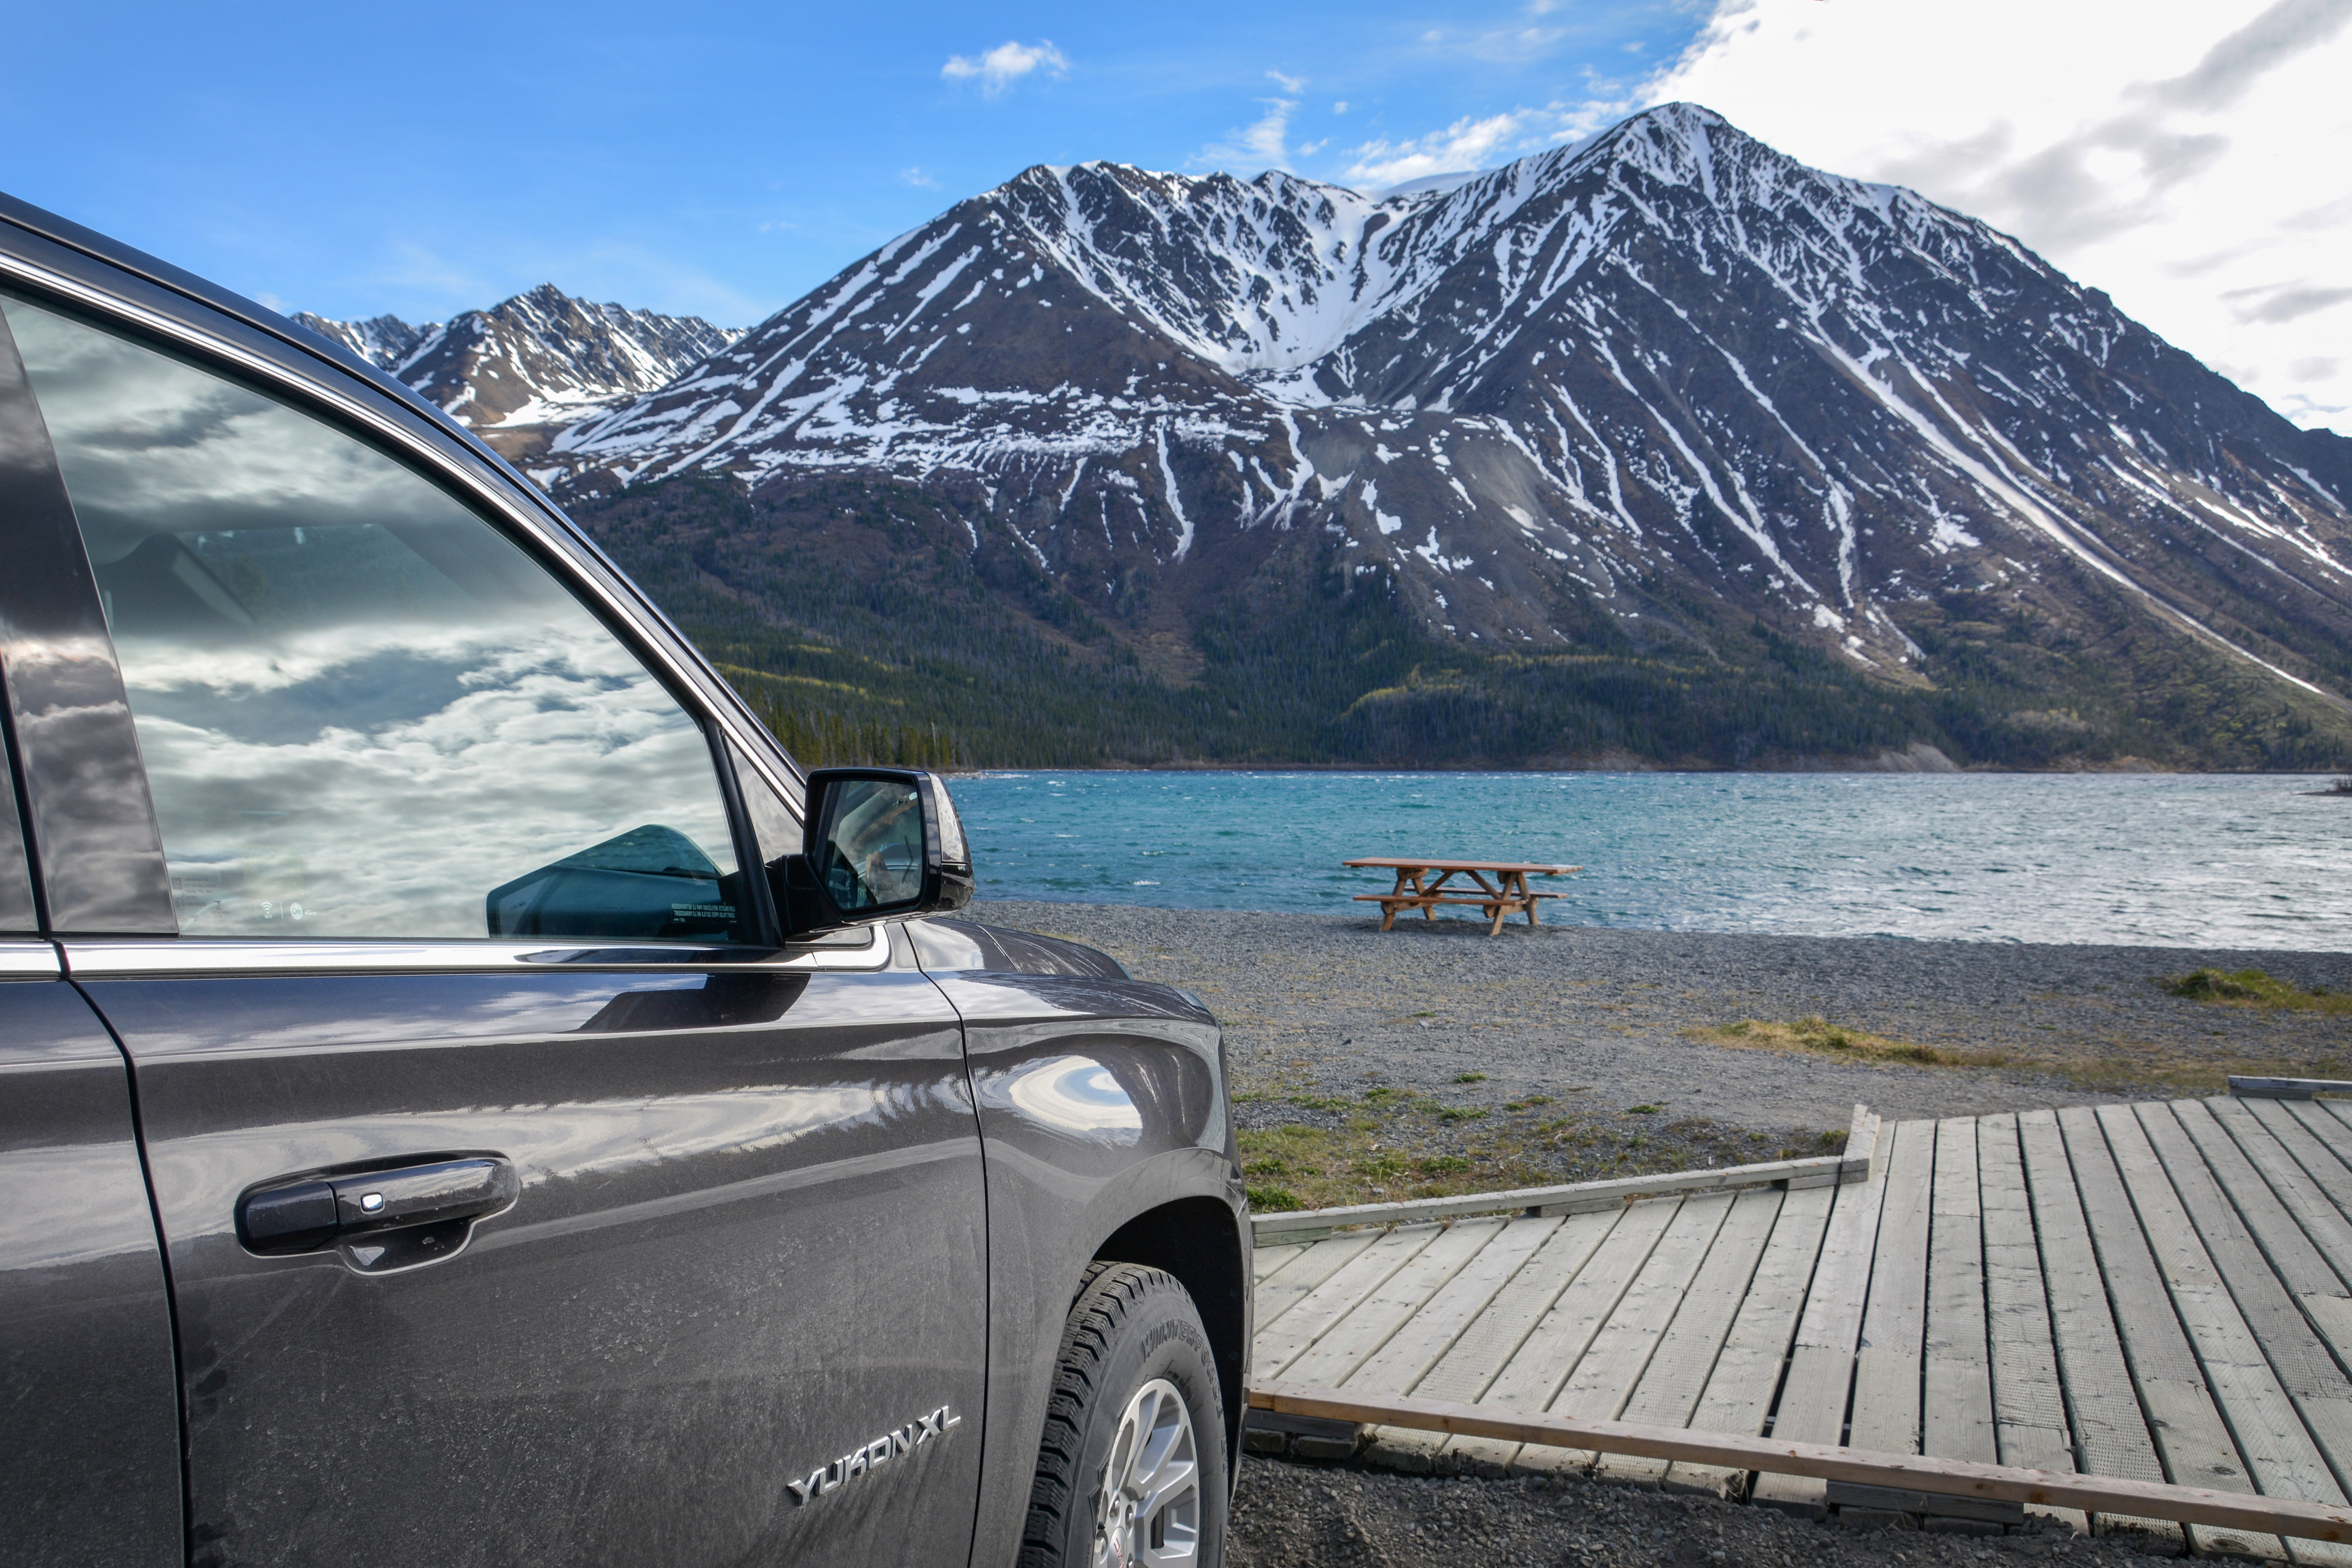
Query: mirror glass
x,y
870,843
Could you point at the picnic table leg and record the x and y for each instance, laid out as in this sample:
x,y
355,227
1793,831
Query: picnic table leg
x,y
1389,911
1522,880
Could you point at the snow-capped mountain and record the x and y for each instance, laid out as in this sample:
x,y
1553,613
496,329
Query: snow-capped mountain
x,y
540,359
1666,367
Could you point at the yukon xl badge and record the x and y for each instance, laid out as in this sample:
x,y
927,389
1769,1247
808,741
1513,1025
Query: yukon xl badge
x,y
875,1455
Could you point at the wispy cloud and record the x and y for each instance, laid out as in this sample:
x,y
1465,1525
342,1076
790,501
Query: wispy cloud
x,y
1264,143
1001,66
915,176
1474,142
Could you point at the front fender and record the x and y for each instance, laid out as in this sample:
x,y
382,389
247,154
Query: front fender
x,y
1101,1098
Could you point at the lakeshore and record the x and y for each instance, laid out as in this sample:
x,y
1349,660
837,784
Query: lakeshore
x,y
1433,1058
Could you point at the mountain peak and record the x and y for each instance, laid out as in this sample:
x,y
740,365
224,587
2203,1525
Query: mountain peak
x,y
1664,367
533,363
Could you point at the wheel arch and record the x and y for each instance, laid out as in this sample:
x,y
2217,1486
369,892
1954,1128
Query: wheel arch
x,y
1198,1240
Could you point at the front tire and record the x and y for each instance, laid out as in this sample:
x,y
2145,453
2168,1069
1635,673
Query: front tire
x,y
1133,1470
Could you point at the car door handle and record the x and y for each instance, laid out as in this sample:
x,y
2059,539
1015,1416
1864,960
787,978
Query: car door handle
x,y
308,1212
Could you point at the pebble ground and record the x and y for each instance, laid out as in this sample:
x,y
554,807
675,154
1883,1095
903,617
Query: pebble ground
x,y
1290,1515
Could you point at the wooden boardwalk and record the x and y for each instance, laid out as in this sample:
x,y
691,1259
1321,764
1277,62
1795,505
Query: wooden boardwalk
x,y
2160,1293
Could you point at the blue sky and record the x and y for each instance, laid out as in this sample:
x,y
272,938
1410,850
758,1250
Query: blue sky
x,y
721,159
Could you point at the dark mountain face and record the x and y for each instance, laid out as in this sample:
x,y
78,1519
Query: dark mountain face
x,y
532,364
1655,397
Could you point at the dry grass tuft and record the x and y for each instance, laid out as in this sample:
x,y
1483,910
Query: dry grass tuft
x,y
2254,988
1821,1037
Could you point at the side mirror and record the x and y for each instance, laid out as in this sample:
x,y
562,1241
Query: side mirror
x,y
880,843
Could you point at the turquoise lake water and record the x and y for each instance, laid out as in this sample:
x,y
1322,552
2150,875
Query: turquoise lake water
x,y
2137,859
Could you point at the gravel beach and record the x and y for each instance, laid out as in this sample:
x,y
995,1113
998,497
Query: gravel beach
x,y
1315,1003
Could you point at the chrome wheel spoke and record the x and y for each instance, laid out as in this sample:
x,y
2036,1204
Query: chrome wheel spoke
x,y
1148,1510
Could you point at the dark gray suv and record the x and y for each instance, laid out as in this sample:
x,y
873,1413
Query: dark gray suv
x,y
466,1095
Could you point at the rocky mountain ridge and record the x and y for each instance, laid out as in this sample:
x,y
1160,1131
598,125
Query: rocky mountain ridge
x,y
1579,459
532,364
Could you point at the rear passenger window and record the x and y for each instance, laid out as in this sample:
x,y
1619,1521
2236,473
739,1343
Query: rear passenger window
x,y
365,711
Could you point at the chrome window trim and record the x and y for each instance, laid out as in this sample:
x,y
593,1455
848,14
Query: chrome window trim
x,y
121,957
630,609
28,961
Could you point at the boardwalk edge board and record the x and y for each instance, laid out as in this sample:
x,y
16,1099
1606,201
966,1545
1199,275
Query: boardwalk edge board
x,y
2287,1087
1862,1148
1906,1472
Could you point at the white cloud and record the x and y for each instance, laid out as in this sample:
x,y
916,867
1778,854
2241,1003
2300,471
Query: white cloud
x,y
2182,157
915,176
1007,63
1340,107
1474,143
1294,85
1264,144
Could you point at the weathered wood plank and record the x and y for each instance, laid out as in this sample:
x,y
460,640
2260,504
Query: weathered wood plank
x,y
2279,1454
2183,1416
1435,1327
2029,1407
2303,1365
1288,1336
2332,1120
1956,1420
1283,1288
1478,1354
1388,1308
1679,1371
1265,1260
1811,1407
1611,1366
2319,1167
2235,1511
1552,1348
2110,1432
1738,1395
1887,1362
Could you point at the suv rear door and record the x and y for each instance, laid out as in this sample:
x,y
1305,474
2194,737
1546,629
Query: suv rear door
x,y
423,886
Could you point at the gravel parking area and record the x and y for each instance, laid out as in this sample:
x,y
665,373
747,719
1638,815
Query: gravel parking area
x,y
1290,1515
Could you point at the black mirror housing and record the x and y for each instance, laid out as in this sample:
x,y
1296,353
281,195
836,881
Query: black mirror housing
x,y
877,844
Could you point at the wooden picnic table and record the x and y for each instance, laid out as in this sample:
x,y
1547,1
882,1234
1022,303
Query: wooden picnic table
x,y
1507,894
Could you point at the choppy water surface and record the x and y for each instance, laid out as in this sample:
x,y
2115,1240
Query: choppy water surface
x,y
2158,860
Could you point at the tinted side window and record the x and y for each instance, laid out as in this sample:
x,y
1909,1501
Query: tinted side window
x,y
363,711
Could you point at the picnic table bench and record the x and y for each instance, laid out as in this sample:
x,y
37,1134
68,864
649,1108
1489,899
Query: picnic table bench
x,y
1507,894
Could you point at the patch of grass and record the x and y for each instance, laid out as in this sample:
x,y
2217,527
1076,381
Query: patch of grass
x,y
1537,1099
1274,1200
1417,1148
2254,988
1643,1109
1469,1078
1822,1038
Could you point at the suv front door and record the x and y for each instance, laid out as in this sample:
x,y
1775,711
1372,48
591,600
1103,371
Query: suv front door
x,y
457,936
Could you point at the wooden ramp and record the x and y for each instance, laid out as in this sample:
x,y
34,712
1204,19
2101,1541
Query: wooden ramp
x,y
2156,1292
